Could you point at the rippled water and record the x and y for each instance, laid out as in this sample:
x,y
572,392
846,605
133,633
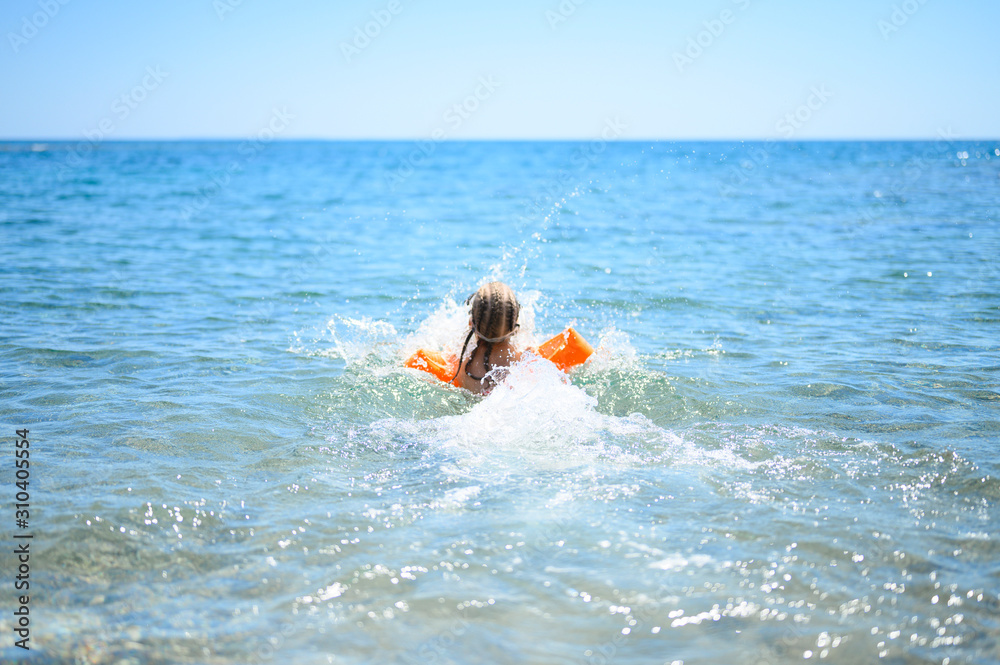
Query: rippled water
x,y
784,449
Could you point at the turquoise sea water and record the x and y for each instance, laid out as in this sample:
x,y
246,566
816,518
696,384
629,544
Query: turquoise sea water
x,y
784,449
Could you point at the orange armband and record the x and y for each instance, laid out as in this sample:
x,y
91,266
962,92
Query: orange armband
x,y
566,350
434,363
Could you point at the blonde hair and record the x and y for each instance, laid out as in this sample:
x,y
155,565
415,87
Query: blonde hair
x,y
494,310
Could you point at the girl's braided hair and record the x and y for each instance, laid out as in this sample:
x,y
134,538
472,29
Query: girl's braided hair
x,y
494,310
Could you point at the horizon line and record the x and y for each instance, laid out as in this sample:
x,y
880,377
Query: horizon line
x,y
661,139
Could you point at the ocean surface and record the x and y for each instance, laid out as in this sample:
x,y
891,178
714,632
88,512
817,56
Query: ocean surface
x,y
784,449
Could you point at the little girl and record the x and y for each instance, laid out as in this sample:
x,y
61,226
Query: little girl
x,y
493,320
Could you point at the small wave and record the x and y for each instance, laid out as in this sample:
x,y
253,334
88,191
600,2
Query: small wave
x,y
348,339
537,418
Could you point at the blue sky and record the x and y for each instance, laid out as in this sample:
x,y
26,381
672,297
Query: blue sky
x,y
744,69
